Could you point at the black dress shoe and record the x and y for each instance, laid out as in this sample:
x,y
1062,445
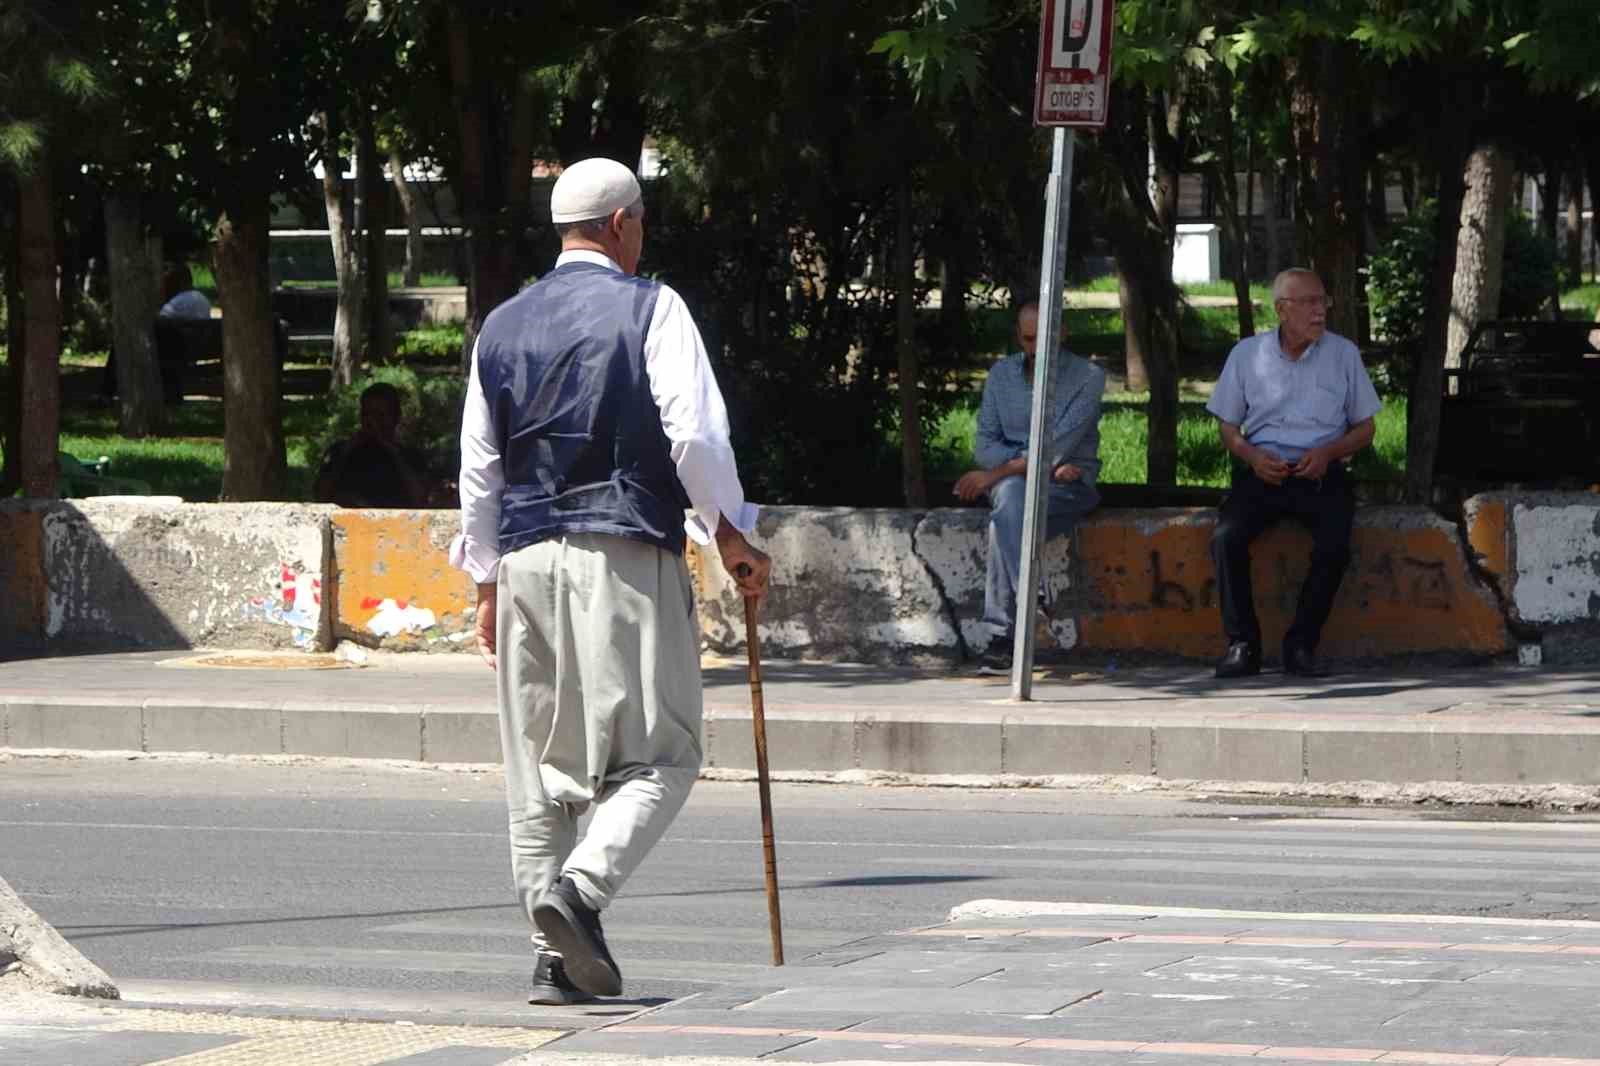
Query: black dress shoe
x,y
551,985
572,927
1299,661
1243,660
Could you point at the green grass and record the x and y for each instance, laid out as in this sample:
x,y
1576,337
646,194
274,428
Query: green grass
x,y
1202,461
1260,292
1104,283
425,281
1584,299
432,344
186,460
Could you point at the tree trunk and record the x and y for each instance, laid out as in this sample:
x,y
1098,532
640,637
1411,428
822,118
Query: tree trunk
x,y
1574,246
1408,187
379,340
913,487
1162,354
1250,267
1329,113
344,229
954,331
1272,195
494,200
134,302
1591,165
1141,219
1377,203
1227,179
1452,143
411,275
1550,199
39,431
16,344
1480,247
1149,300
253,446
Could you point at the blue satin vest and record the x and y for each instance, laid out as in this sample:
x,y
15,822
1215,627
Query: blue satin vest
x,y
562,367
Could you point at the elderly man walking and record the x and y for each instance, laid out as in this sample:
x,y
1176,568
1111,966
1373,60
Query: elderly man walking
x,y
594,440
1291,405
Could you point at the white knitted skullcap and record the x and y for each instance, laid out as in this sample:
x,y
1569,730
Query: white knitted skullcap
x,y
592,188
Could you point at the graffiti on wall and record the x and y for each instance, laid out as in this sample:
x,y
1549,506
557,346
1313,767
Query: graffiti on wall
x,y
1393,577
296,603
392,617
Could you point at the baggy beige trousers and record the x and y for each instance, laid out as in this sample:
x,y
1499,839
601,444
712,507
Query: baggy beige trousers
x,y
600,705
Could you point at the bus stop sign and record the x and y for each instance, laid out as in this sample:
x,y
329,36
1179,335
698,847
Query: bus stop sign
x,y
1072,88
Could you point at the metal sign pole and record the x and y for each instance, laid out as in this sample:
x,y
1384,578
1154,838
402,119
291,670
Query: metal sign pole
x,y
1041,463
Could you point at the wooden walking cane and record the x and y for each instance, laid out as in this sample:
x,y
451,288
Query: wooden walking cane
x,y
758,718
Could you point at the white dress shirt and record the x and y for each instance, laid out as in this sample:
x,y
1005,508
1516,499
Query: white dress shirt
x,y
692,413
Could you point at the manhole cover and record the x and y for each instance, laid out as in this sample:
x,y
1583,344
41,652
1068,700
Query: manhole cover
x,y
263,661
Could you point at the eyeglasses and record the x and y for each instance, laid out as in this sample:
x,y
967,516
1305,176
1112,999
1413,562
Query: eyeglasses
x,y
1325,302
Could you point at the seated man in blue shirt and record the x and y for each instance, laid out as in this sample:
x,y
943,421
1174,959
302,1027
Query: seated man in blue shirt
x,y
1001,449
1292,405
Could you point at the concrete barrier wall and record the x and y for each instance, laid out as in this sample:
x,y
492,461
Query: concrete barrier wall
x,y
898,585
160,573
868,585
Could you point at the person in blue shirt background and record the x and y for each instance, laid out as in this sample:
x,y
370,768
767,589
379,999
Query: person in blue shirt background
x,y
1001,451
1292,405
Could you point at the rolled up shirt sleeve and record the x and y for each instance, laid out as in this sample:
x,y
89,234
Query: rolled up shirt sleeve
x,y
476,549
695,420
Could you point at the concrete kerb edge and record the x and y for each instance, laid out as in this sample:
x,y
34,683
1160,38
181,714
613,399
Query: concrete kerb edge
x,y
1418,793
46,959
1552,797
1098,746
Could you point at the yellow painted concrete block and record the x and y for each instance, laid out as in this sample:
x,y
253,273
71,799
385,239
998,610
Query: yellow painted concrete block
x,y
396,587
1150,585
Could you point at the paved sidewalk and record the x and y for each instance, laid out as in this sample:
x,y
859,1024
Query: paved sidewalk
x,y
1104,985
1493,734
1031,984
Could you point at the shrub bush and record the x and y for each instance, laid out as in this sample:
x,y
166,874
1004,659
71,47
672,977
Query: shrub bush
x,y
441,344
1400,275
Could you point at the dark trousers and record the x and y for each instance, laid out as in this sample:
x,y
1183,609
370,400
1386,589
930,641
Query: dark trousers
x,y
1326,507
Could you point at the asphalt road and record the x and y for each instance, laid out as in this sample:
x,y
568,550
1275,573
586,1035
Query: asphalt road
x,y
210,873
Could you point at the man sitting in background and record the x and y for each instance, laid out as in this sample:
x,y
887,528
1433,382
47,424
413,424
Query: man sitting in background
x,y
371,468
1001,449
182,301
1292,405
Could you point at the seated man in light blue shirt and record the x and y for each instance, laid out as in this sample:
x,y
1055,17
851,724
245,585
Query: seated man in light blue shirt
x,y
1001,449
1292,405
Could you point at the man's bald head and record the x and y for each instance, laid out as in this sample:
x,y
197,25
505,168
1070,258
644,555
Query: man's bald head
x,y
1027,328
